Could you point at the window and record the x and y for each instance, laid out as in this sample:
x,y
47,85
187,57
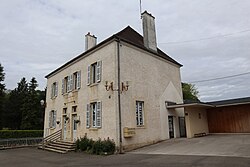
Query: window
x,y
94,115
52,119
54,89
74,109
64,110
94,73
71,82
77,80
65,85
139,113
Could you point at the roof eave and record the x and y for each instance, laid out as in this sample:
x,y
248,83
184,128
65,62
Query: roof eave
x,y
189,105
152,52
82,54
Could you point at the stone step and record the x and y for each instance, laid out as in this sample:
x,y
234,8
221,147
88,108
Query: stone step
x,y
64,143
58,146
52,149
61,145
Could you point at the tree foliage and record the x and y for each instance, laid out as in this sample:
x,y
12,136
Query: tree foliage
x,y
190,92
22,109
31,107
2,94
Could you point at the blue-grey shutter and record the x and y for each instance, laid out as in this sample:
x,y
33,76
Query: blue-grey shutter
x,y
99,71
56,89
54,119
88,80
71,82
99,114
78,79
88,116
50,121
62,86
51,93
68,84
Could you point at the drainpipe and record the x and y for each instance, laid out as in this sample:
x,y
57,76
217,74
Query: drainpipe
x,y
119,96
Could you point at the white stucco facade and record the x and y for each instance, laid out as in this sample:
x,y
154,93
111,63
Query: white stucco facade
x,y
153,79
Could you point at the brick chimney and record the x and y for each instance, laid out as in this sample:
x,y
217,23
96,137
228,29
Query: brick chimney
x,y
90,41
149,34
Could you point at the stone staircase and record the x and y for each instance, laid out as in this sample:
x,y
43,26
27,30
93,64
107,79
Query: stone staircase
x,y
54,143
58,146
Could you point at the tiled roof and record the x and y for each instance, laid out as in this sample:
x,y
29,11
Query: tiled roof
x,y
131,36
128,35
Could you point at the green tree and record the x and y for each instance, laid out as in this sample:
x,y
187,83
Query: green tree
x,y
14,102
30,108
190,92
2,94
22,106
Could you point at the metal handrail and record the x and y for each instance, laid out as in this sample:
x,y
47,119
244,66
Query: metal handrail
x,y
53,137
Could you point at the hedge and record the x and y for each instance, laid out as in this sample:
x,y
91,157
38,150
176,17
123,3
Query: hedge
x,y
7,134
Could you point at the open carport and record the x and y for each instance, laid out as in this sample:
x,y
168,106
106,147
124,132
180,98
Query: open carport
x,y
226,116
211,145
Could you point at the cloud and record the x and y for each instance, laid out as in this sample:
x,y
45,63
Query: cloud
x,y
38,36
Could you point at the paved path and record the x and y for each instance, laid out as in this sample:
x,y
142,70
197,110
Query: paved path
x,y
211,145
32,157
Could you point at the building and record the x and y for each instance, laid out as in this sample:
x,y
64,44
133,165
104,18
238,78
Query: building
x,y
225,116
117,89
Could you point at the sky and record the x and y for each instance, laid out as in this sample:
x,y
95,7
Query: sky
x,y
210,38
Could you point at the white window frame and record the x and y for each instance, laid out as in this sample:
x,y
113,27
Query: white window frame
x,y
65,85
94,115
54,89
78,85
94,73
140,113
77,80
52,119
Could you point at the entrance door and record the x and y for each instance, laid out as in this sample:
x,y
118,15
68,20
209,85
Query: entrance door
x,y
182,127
74,118
64,128
171,126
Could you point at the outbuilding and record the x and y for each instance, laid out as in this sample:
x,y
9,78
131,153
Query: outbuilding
x,y
226,116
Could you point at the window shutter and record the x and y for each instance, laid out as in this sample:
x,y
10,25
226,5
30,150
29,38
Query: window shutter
x,y
68,84
88,116
71,82
141,113
51,93
56,89
137,114
62,86
50,122
54,119
88,80
78,79
99,71
99,115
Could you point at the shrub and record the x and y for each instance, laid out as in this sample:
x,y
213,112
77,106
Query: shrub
x,y
84,144
108,146
7,134
98,147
